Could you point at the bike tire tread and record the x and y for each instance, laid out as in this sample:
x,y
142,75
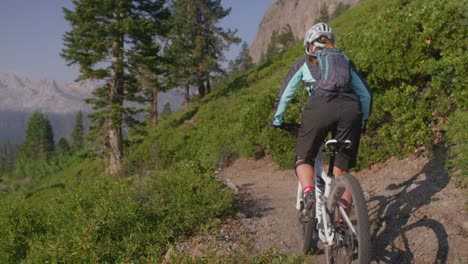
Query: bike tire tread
x,y
348,181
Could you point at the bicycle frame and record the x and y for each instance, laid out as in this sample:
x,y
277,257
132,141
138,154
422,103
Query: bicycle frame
x,y
325,233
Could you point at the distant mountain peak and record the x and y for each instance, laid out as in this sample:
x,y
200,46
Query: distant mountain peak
x,y
23,94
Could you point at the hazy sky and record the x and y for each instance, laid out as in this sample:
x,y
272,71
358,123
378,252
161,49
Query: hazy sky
x,y
31,34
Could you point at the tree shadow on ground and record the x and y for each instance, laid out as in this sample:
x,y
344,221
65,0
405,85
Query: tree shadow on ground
x,y
392,214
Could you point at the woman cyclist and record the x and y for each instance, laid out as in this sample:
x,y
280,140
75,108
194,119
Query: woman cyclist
x,y
339,102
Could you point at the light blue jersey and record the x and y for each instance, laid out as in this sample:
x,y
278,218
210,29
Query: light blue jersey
x,y
303,70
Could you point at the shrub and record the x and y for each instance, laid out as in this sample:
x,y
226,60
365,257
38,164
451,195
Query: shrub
x,y
457,133
102,219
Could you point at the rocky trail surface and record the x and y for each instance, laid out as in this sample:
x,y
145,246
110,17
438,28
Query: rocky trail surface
x,y
417,215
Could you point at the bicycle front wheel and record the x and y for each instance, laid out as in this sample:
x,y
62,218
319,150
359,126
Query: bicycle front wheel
x,y
307,232
348,223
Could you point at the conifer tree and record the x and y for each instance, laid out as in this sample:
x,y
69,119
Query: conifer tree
x,y
149,64
324,15
63,147
9,156
179,48
106,40
272,48
210,41
39,142
242,62
286,38
151,71
166,111
245,60
78,133
197,42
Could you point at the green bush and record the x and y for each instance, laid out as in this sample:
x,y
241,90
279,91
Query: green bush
x,y
457,133
412,54
101,219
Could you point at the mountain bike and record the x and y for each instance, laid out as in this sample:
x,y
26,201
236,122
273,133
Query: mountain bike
x,y
345,234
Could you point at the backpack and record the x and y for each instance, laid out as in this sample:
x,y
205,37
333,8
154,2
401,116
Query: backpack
x,y
335,72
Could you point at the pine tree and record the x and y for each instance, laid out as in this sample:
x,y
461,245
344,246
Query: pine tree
x,y
324,15
152,75
78,133
272,48
197,43
179,49
9,157
339,10
39,142
63,147
166,112
150,66
211,41
107,38
243,62
286,38
246,62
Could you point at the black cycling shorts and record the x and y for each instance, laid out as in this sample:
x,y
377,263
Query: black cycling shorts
x,y
341,116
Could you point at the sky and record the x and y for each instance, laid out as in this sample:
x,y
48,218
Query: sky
x,y
31,33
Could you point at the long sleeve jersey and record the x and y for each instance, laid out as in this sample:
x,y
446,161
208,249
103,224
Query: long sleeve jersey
x,y
303,70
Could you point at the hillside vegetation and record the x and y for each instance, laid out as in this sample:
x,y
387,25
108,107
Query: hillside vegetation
x,y
413,55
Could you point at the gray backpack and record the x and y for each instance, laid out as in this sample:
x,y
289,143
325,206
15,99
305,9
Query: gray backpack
x,y
335,72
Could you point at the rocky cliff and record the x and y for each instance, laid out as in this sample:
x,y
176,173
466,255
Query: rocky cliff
x,y
299,14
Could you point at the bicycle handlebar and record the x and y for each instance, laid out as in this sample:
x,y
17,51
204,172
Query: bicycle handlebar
x,y
290,127
332,144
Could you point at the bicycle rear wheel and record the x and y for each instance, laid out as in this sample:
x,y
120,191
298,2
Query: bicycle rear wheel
x,y
351,242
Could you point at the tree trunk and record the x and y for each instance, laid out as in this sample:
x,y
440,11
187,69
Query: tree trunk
x,y
187,96
201,89
115,141
208,86
201,84
154,109
116,98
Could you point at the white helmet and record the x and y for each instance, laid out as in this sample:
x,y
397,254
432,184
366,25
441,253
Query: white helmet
x,y
314,33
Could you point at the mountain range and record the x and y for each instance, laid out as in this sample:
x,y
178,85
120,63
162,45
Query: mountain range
x,y
20,96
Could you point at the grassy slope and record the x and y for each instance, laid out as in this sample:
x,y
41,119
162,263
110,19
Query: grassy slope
x,y
82,215
416,88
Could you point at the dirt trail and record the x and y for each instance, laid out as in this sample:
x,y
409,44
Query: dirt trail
x,y
417,215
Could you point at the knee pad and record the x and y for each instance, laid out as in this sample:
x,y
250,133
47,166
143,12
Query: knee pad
x,y
300,161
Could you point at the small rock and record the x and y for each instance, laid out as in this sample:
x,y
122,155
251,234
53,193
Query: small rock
x,y
231,185
465,226
197,252
169,253
367,195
